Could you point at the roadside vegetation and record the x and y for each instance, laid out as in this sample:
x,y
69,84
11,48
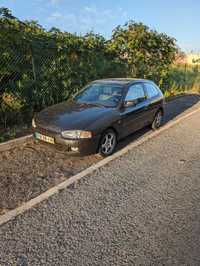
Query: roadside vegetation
x,y
183,78
39,68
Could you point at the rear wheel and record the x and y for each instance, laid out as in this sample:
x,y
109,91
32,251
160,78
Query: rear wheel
x,y
157,122
108,143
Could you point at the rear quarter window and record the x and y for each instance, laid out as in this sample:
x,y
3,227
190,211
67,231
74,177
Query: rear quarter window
x,y
152,90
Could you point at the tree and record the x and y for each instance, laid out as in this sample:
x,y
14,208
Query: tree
x,y
6,13
147,52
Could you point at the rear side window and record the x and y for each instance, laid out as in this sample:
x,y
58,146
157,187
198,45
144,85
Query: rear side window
x,y
152,91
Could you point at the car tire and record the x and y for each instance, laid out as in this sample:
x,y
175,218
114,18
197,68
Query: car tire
x,y
108,143
157,122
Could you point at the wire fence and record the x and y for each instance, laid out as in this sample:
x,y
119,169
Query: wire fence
x,y
28,83
33,76
39,68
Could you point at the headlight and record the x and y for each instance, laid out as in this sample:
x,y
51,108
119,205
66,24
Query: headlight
x,y
76,134
33,123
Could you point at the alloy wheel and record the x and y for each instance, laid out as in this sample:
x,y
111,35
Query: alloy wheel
x,y
157,120
108,143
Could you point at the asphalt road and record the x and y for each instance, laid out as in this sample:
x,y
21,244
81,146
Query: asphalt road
x,y
141,209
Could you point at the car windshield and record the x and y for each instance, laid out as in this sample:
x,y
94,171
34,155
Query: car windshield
x,y
102,94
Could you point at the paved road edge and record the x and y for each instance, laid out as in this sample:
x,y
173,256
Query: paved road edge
x,y
44,196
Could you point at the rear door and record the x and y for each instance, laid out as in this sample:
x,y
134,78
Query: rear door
x,y
134,117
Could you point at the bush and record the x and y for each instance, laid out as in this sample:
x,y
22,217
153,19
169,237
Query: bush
x,y
10,109
182,78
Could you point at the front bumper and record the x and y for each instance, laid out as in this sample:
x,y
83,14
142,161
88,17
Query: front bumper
x,y
80,146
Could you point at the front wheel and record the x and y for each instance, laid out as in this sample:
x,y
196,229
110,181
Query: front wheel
x,y
157,122
108,143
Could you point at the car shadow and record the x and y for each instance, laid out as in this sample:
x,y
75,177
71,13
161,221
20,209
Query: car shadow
x,y
174,107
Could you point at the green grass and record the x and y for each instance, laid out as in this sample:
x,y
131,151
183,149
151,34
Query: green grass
x,y
183,79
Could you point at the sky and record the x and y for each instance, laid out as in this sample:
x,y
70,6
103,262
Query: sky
x,y
178,18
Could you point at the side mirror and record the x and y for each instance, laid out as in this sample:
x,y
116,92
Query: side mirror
x,y
134,102
130,103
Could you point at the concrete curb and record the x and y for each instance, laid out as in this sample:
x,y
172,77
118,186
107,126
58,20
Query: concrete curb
x,y
44,196
4,146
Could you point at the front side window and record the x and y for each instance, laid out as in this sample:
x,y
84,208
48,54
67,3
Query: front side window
x,y
151,90
103,94
135,92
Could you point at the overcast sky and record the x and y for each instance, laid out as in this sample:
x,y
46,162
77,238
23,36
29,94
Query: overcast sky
x,y
180,19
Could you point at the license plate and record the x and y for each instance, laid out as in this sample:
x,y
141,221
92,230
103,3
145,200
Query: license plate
x,y
44,138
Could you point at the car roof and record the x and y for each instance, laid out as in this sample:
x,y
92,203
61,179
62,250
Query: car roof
x,y
120,81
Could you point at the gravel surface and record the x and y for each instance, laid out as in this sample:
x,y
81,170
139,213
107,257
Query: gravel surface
x,y
140,209
28,171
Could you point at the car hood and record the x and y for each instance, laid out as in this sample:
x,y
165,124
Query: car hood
x,y
69,116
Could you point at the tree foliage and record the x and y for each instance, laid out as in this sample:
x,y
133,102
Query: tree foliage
x,y
148,53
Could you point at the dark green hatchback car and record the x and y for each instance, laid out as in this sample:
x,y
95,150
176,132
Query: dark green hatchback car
x,y
101,114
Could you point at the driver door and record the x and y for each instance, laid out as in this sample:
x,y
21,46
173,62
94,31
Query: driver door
x,y
134,115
